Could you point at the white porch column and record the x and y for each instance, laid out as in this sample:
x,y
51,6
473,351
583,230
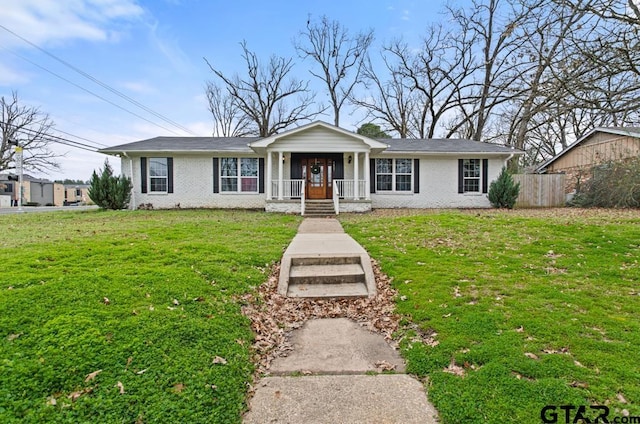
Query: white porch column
x,y
269,175
367,177
356,175
280,175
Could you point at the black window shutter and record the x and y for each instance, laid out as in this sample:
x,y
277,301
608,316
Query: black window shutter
x,y
296,167
216,175
338,173
261,175
416,175
169,175
460,175
485,175
143,174
372,175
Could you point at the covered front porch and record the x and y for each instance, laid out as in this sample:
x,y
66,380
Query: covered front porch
x,y
295,180
317,162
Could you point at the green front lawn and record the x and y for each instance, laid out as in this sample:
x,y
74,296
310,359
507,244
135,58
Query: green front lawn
x,y
130,316
524,309
136,316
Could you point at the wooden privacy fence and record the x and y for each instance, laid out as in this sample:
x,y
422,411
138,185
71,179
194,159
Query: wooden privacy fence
x,y
540,190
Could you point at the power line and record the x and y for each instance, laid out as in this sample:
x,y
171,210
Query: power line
x,y
89,91
81,138
100,83
55,139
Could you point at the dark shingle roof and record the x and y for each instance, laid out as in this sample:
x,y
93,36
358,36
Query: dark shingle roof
x,y
186,144
443,146
241,145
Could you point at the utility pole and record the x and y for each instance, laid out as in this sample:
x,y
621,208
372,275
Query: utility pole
x,y
19,155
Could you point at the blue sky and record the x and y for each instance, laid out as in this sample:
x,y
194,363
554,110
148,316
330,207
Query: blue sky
x,y
153,51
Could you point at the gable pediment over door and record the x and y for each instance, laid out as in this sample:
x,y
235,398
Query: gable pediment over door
x,y
318,137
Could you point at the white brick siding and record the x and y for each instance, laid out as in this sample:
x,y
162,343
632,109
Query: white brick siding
x,y
193,186
439,187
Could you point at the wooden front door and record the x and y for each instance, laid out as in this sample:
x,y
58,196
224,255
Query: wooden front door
x,y
318,176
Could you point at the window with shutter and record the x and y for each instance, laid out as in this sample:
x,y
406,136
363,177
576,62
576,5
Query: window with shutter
x,y
394,175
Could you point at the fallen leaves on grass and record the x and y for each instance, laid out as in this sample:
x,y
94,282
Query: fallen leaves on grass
x,y
579,384
531,355
553,255
520,376
92,376
178,388
454,369
12,337
427,337
75,395
562,350
219,360
120,387
106,301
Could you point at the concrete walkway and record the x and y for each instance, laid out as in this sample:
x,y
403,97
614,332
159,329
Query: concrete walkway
x,y
330,377
324,238
333,375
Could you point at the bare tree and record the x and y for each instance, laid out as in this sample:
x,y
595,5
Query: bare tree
x,y
339,55
228,118
263,94
545,45
423,85
492,26
32,129
441,72
387,101
585,74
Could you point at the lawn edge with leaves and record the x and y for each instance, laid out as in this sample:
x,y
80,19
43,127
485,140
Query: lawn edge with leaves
x,y
134,316
508,311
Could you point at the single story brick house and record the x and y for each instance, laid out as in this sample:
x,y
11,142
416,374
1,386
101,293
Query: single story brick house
x,y
315,162
598,146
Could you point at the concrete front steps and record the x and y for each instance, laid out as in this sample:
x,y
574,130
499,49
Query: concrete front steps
x,y
324,262
319,208
322,277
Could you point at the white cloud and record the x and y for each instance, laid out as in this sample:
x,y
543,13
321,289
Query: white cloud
x,y
169,47
51,21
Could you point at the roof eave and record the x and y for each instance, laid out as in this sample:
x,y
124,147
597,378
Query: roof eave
x,y
616,131
452,153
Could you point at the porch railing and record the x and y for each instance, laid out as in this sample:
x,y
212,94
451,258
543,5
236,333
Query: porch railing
x,y
346,188
291,189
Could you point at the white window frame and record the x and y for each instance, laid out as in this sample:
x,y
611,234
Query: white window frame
x,y
239,177
466,177
394,174
151,178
